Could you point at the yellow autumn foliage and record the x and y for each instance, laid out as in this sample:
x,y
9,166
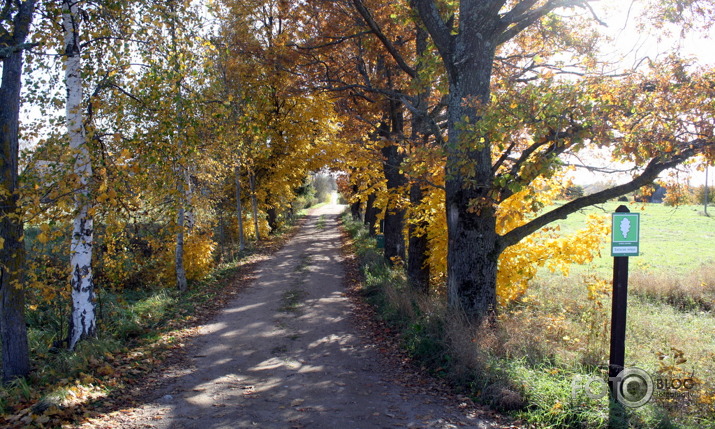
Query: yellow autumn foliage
x,y
519,264
198,258
249,230
198,255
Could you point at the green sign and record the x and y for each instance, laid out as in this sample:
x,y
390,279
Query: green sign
x,y
380,241
625,234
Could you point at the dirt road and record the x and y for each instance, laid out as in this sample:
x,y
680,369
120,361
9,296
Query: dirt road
x,y
284,354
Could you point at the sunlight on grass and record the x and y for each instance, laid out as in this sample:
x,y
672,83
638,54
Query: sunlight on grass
x,y
559,332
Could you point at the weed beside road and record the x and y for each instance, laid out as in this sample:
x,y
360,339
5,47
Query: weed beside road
x,y
535,361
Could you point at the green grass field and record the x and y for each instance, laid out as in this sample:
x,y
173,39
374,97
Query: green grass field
x,y
674,240
671,316
532,361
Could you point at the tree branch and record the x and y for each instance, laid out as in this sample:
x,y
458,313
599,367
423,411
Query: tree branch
x,y
649,174
435,25
375,27
517,23
333,41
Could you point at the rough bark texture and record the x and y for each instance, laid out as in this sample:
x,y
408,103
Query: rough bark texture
x,y
394,214
254,203
83,318
472,239
239,210
371,214
418,270
13,331
471,219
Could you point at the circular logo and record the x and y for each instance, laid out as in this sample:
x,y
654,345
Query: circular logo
x,y
634,387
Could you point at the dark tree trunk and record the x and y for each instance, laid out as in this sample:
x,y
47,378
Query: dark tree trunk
x,y
473,249
473,252
394,213
418,270
371,214
467,48
272,219
355,211
355,207
13,331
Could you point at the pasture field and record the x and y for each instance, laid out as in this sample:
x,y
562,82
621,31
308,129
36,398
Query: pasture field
x,y
671,314
533,362
673,240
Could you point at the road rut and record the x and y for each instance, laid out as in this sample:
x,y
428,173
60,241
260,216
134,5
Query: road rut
x,y
284,354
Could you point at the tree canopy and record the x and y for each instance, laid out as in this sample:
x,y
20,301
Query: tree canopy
x,y
188,127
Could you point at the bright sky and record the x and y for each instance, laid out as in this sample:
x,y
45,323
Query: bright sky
x,y
631,45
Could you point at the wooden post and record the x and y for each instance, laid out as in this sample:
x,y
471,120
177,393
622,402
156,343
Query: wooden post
x,y
706,198
618,327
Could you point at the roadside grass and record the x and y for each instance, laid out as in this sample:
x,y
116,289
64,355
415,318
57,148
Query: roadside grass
x,y
534,362
138,331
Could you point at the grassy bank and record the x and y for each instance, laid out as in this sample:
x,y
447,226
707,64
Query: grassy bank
x,y
140,332
534,362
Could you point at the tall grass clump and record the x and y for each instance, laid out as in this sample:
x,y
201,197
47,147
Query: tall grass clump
x,y
694,291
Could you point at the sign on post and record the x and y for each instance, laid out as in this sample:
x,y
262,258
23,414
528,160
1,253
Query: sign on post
x,y
625,234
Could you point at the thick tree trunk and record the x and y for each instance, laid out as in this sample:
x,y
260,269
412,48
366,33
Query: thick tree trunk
x,y
13,331
394,214
239,209
473,252
83,320
394,225
371,213
418,269
254,203
355,207
272,219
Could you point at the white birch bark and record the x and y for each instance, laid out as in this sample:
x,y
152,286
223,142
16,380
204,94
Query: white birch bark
x,y
83,320
252,182
180,170
181,282
185,221
239,209
181,221
189,201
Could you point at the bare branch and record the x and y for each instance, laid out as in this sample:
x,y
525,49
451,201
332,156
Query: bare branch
x,y
517,23
375,27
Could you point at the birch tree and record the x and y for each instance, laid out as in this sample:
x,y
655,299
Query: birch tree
x,y
83,318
